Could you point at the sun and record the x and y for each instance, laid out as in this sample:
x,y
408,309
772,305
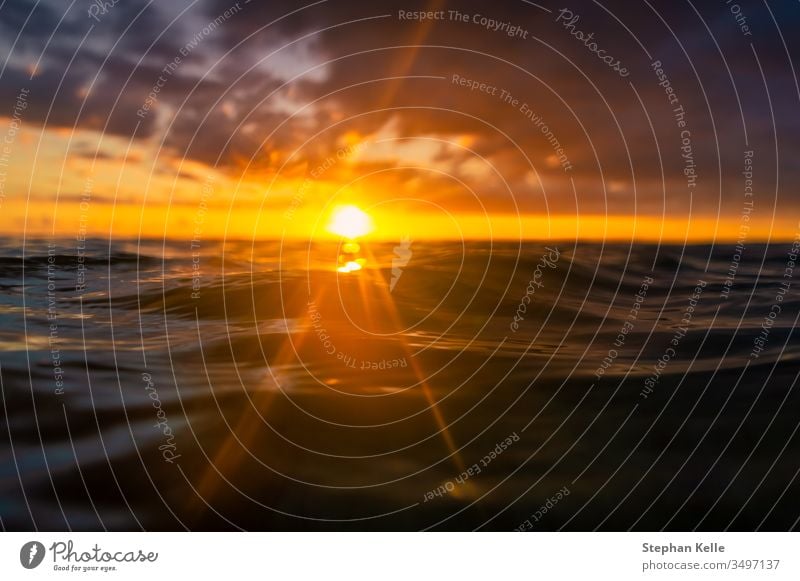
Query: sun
x,y
350,222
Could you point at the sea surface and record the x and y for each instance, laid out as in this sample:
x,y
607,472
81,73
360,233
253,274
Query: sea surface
x,y
444,386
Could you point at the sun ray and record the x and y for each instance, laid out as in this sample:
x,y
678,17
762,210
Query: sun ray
x,y
246,428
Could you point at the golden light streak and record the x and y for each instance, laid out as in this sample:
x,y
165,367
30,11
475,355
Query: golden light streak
x,y
177,223
232,451
350,266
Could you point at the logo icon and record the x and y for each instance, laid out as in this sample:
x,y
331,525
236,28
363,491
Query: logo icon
x,y
31,554
402,254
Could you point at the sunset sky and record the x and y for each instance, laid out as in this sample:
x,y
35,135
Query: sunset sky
x,y
219,119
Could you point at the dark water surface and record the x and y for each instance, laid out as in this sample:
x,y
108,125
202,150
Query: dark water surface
x,y
252,386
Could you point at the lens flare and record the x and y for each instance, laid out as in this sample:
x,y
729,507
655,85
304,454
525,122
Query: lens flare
x,y
350,266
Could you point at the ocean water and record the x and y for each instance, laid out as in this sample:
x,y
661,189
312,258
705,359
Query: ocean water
x,y
444,386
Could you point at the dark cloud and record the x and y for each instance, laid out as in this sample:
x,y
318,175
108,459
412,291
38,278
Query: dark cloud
x,y
228,101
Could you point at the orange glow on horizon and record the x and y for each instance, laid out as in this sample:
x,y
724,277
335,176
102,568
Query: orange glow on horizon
x,y
179,222
132,192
